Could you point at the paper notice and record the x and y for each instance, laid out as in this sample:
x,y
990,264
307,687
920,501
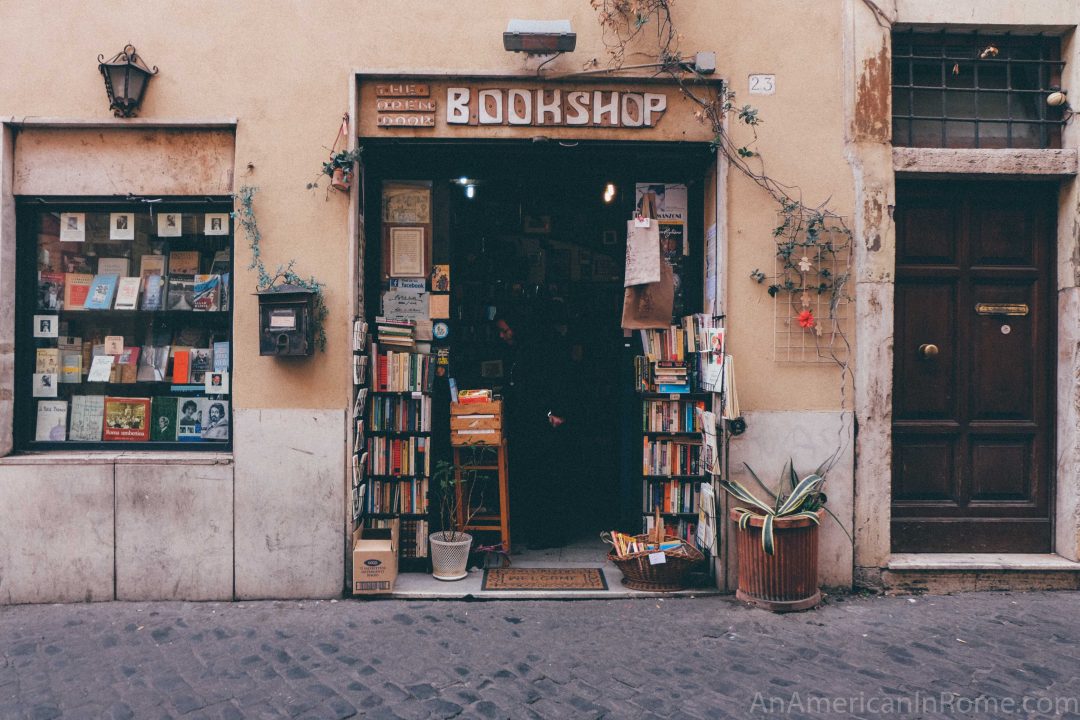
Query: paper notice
x,y
440,307
642,255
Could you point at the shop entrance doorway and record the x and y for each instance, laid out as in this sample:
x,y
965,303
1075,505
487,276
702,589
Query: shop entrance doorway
x,y
537,230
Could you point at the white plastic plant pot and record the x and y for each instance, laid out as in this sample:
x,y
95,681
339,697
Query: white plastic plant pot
x,y
449,559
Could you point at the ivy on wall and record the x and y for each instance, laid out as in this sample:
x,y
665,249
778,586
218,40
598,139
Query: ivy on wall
x,y
284,275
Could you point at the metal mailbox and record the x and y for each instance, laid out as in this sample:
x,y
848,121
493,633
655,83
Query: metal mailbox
x,y
286,327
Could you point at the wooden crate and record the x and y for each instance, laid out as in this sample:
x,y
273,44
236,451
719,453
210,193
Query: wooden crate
x,y
476,423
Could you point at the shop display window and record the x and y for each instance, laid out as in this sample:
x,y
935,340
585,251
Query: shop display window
x,y
123,326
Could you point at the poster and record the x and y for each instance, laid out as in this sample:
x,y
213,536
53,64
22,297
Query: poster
x,y
72,227
406,203
121,226
711,301
407,252
669,204
642,255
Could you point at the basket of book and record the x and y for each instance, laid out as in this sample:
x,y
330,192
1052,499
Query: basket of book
x,y
654,561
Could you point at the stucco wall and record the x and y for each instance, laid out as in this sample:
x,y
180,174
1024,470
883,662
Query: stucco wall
x,y
288,90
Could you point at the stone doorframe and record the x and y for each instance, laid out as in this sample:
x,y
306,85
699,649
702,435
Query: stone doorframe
x,y
875,165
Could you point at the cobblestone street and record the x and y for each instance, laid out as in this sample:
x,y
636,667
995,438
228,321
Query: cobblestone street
x,y
972,655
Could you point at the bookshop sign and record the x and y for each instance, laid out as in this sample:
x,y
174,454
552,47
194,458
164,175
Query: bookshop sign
x,y
507,108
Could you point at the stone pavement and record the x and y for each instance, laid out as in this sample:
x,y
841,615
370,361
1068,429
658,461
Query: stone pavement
x,y
972,655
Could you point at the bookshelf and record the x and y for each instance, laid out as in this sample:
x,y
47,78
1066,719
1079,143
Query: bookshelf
x,y
676,377
393,438
146,297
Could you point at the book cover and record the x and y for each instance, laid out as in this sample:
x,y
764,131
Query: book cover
x,y
127,293
126,419
189,423
184,262
181,373
200,363
50,290
154,292
87,417
45,384
163,419
216,383
221,262
51,421
129,364
153,363
221,356
100,369
181,294
215,419
102,291
207,293
71,367
76,290
151,265
113,266
48,360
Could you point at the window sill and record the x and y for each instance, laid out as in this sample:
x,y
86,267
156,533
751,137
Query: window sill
x,y
128,457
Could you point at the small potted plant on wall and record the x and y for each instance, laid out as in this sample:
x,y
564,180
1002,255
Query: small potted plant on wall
x,y
777,541
339,168
450,545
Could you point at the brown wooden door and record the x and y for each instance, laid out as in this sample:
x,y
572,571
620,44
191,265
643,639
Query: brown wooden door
x,y
971,424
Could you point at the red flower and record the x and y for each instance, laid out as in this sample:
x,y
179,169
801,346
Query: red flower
x,y
806,319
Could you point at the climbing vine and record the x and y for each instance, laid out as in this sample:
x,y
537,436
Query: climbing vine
x,y
811,241
813,244
284,275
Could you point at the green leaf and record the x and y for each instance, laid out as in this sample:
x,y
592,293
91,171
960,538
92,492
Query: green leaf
x,y
767,539
759,481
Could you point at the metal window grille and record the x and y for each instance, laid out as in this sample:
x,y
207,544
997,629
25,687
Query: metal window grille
x,y
971,90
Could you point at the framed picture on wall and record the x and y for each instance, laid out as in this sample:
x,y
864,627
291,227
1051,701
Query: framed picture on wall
x,y
407,252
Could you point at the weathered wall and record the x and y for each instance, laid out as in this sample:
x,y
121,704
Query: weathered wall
x,y
113,161
288,90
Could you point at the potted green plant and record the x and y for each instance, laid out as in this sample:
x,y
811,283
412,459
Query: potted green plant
x,y
339,168
777,540
450,545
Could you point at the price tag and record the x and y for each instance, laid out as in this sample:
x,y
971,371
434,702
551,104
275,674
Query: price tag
x,y
657,558
641,222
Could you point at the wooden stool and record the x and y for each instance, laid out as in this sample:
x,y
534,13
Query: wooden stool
x,y
490,521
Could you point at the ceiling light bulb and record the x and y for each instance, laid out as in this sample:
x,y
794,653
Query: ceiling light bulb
x,y
463,180
609,193
470,191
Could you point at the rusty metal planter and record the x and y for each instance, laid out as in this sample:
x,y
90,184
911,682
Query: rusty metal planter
x,y
786,581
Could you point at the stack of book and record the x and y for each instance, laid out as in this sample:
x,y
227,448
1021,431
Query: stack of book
x,y
395,333
670,376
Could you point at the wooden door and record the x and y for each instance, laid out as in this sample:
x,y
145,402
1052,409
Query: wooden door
x,y
973,367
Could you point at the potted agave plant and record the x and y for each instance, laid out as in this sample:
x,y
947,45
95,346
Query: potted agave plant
x,y
777,540
450,546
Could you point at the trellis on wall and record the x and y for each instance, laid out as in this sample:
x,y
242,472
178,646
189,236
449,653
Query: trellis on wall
x,y
812,311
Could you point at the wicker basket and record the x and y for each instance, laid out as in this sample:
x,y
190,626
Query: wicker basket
x,y
674,574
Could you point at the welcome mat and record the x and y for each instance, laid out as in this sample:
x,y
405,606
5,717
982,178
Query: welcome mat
x,y
544,579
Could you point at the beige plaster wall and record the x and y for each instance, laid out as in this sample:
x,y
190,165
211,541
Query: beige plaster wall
x,y
284,71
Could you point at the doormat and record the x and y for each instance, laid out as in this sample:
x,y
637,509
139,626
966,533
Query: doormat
x,y
544,579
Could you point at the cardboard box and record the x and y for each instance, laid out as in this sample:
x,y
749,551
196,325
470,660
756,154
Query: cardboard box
x,y
375,560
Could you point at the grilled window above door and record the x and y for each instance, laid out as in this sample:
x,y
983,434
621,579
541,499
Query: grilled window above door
x,y
972,90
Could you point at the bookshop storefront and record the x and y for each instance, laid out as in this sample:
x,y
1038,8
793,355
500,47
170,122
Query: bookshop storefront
x,y
496,204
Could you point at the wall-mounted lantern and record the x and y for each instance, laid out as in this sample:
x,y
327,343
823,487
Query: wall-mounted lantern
x,y
126,77
286,325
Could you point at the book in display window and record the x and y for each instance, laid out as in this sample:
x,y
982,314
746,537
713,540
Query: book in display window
x,y
124,330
